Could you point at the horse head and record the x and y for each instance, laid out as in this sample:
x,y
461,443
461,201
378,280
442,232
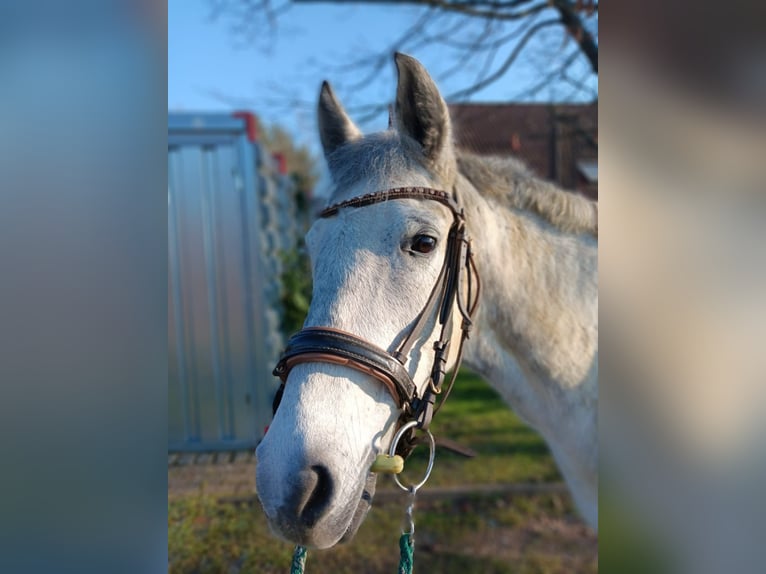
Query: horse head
x,y
374,271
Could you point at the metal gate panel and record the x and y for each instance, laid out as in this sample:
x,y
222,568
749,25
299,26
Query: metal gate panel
x,y
219,375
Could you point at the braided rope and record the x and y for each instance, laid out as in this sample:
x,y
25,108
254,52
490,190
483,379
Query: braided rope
x,y
406,553
406,556
299,560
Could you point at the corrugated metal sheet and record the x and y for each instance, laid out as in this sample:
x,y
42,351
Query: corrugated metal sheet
x,y
223,286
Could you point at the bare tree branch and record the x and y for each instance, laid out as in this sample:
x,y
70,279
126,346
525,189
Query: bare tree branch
x,y
506,65
577,30
548,78
486,43
248,15
375,63
474,9
495,10
474,35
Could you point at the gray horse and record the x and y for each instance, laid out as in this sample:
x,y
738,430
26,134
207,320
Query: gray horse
x,y
535,335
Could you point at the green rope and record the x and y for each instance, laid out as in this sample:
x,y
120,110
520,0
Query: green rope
x,y
406,551
299,560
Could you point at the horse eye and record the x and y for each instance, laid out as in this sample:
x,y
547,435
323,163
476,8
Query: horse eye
x,y
423,243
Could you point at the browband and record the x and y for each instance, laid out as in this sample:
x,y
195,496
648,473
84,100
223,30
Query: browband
x,y
394,193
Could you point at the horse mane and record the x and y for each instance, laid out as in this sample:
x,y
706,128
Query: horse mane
x,y
509,182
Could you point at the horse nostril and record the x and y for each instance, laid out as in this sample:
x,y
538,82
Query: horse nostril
x,y
318,486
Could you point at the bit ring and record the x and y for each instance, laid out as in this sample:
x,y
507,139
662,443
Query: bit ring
x,y
432,453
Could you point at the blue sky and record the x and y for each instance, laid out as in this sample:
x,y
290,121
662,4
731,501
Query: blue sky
x,y
210,68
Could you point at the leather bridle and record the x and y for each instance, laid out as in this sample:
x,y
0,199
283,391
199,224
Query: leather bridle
x,y
458,274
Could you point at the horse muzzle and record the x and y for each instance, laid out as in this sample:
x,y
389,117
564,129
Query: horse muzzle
x,y
311,506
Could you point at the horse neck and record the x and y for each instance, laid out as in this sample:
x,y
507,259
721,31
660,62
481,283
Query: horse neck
x,y
536,330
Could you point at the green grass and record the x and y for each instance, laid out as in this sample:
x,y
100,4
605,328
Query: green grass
x,y
470,534
509,451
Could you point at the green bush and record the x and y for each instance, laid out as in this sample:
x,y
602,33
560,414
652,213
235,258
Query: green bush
x,y
296,288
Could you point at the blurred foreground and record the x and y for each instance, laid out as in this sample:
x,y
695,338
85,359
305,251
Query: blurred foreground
x,y
683,282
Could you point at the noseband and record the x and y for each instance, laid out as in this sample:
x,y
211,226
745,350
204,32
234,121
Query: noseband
x,y
458,274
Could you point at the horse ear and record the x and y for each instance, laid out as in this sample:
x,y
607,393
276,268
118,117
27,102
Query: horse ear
x,y
422,114
335,127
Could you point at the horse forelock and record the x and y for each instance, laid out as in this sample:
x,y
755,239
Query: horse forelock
x,y
376,162
383,160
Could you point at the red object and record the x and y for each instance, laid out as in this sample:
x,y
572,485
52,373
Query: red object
x,y
281,162
515,142
251,124
266,429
